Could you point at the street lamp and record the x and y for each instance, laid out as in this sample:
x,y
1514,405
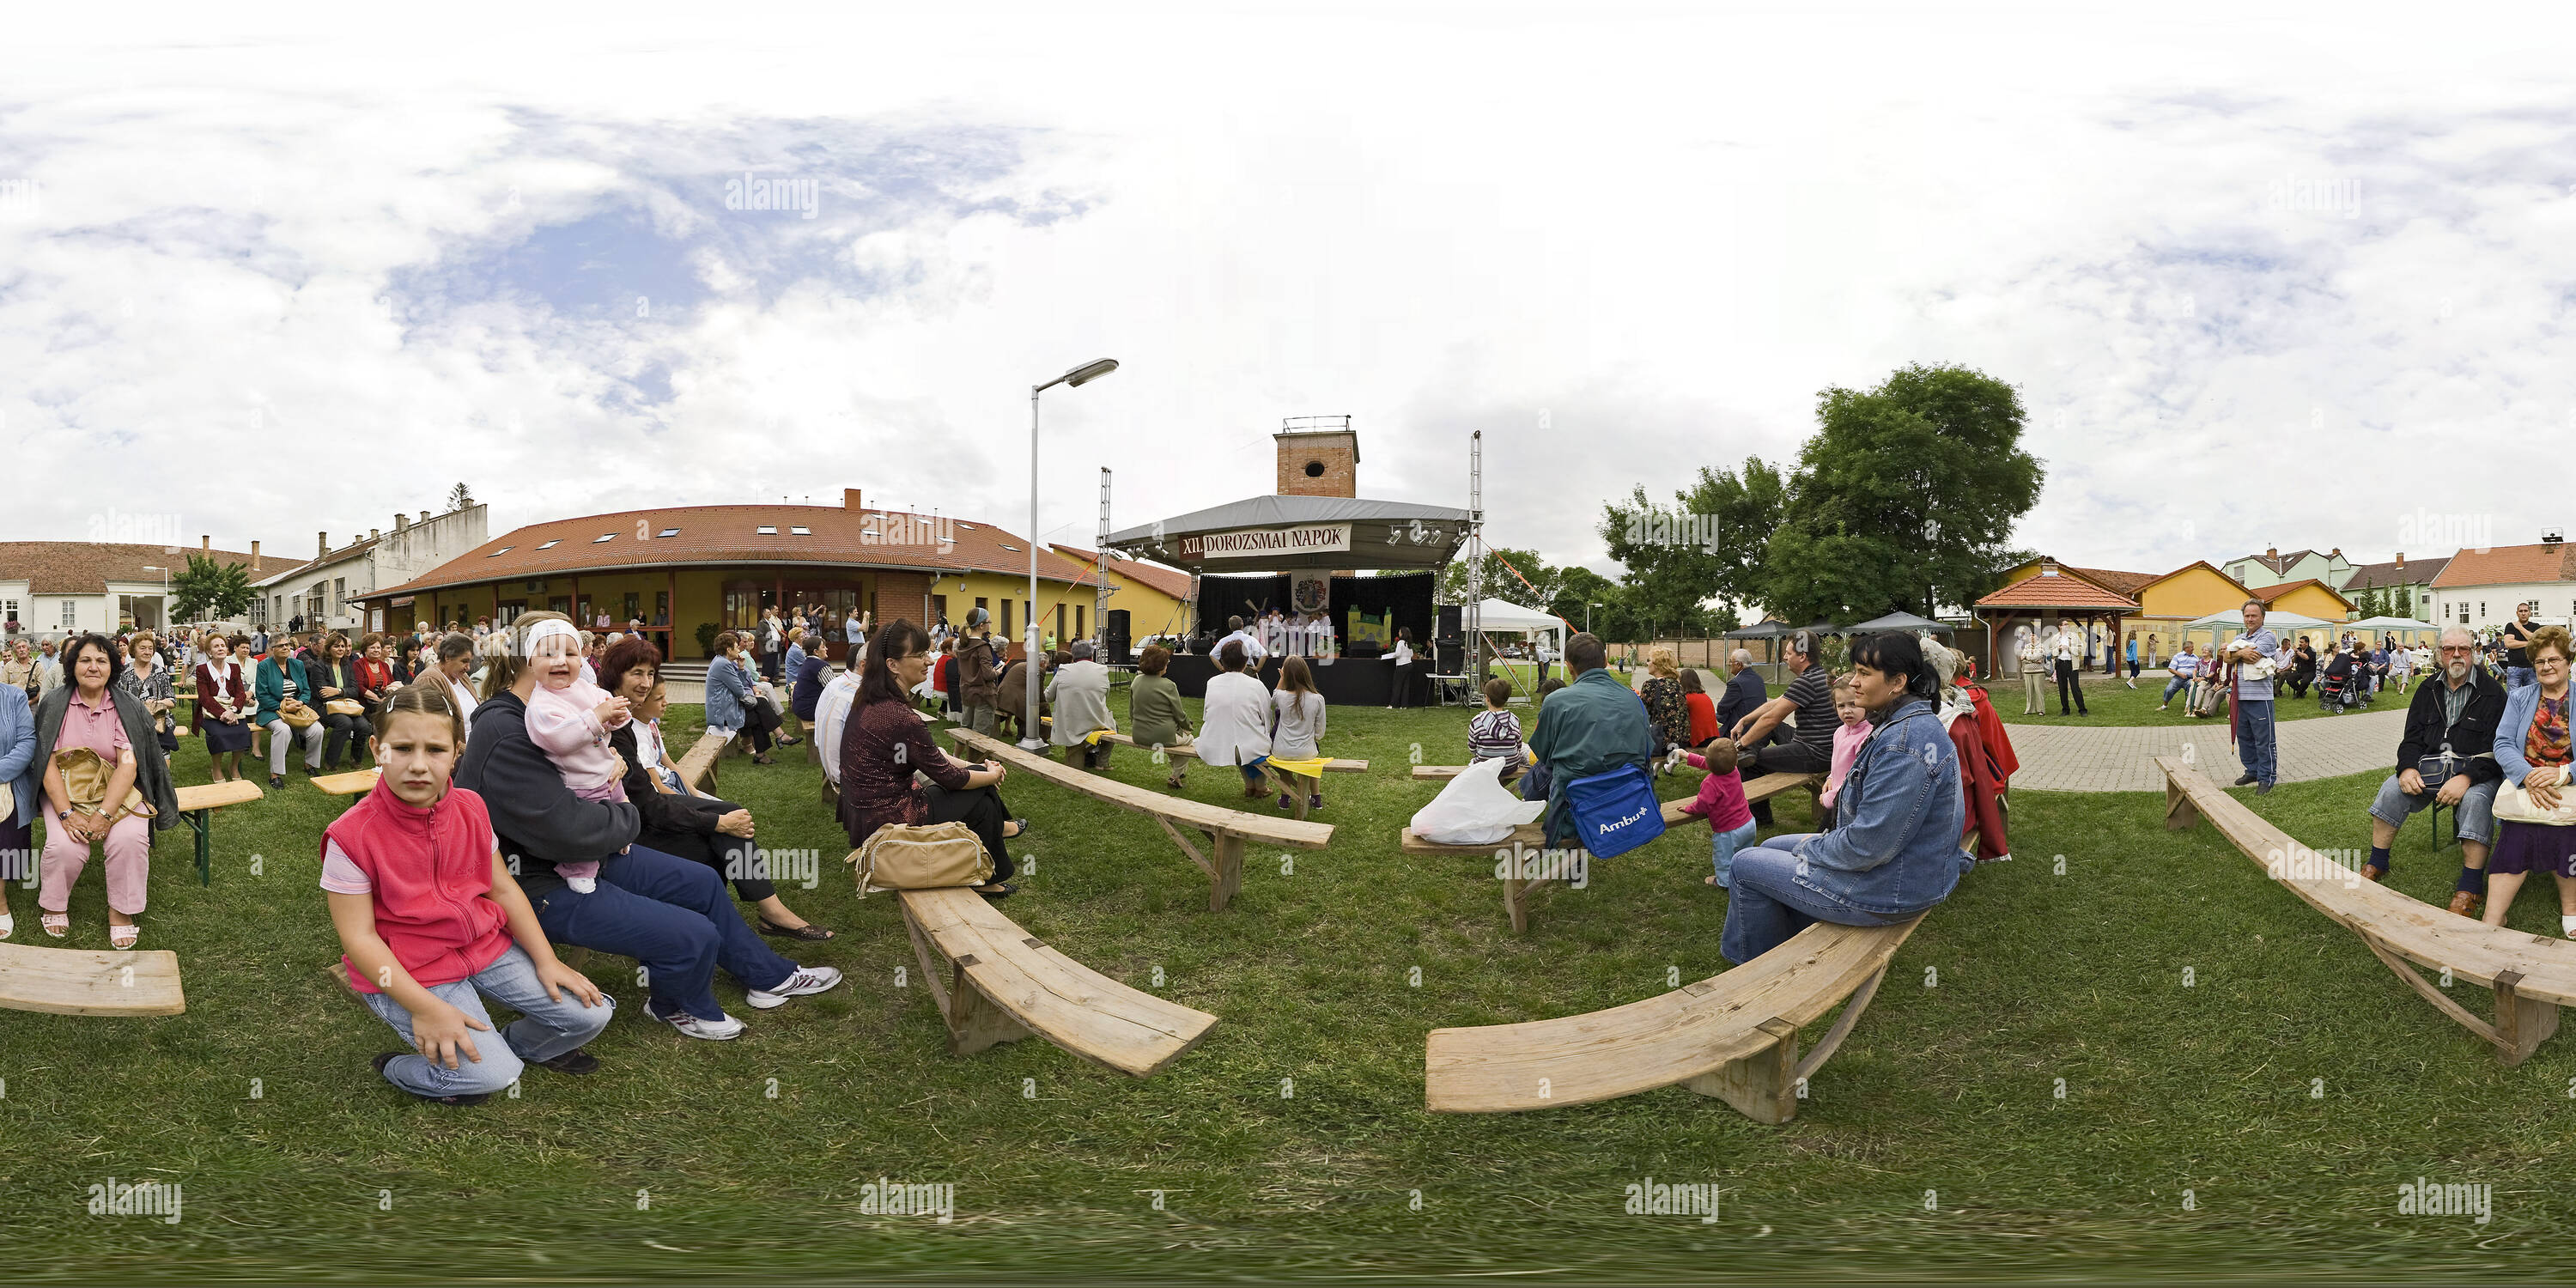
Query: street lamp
x,y
1078,377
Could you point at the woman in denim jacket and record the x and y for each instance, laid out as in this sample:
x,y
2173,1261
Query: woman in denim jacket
x,y
1894,850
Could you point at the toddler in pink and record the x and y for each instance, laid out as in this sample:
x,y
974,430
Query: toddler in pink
x,y
1854,731
1721,802
570,719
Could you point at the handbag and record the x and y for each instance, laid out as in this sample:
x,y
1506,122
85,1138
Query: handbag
x,y
2513,805
345,707
903,856
296,714
1614,812
85,778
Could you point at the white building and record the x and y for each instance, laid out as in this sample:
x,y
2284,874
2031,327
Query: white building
x,y
317,593
2479,588
49,589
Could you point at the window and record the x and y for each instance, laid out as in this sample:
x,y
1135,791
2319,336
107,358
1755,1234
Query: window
x,y
1060,636
339,593
71,612
551,544
979,603
1012,548
766,530
1080,632
666,532
500,552
661,608
1006,619
9,611
605,536
799,531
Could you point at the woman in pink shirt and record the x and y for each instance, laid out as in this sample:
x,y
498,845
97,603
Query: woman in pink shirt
x,y
90,713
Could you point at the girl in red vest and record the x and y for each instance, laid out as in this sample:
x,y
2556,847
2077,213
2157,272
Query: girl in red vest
x,y
430,918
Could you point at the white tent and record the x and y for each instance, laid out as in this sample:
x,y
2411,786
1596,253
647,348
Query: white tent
x,y
1503,617
2230,623
2406,626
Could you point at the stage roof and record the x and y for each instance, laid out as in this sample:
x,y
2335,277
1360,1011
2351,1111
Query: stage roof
x,y
1284,533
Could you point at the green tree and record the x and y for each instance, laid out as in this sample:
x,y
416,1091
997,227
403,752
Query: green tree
x,y
208,589
1904,498
1709,544
1500,581
1617,619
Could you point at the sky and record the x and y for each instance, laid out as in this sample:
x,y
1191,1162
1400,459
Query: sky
x,y
2262,277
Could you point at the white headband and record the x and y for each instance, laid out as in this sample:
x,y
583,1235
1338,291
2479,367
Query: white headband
x,y
545,629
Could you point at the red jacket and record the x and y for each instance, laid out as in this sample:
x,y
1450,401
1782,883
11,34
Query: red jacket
x,y
431,870
213,698
1703,718
1981,786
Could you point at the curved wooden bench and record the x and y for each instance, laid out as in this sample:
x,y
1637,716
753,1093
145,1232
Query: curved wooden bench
x,y
1337,765
1226,829
698,767
69,981
1533,837
1733,1036
1001,985
2530,976
197,805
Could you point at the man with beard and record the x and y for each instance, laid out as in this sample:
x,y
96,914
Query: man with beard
x,y
2447,757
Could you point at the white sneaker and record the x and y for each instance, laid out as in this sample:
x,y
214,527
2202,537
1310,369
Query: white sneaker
x,y
723,1028
807,979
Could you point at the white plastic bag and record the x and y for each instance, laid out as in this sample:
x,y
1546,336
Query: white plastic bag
x,y
1475,809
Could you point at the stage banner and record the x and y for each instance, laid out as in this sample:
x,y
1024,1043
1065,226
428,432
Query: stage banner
x,y
1313,592
1253,543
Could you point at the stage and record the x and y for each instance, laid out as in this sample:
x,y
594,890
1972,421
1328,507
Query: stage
x,y
1344,682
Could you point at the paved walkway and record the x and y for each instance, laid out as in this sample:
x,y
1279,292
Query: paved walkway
x,y
2121,758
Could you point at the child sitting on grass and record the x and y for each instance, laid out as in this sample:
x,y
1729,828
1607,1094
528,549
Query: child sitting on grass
x,y
430,917
1854,730
1495,733
1721,802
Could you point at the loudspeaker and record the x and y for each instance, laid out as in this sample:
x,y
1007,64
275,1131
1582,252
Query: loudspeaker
x,y
1115,636
1452,624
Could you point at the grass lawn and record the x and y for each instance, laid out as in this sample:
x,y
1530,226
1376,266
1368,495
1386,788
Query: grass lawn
x,y
2112,702
2061,1054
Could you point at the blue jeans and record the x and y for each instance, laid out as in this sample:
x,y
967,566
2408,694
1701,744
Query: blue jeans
x,y
545,1029
1766,906
1722,848
2172,687
2255,745
675,918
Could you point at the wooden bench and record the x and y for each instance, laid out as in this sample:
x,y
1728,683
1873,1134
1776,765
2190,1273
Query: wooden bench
x,y
698,767
1337,765
70,981
1533,836
197,806
356,782
1225,829
2530,975
1733,1035
1001,984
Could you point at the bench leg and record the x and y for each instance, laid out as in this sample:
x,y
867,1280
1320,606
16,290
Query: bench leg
x,y
2180,813
1516,903
974,1022
2522,1023
1227,881
1762,1086
201,824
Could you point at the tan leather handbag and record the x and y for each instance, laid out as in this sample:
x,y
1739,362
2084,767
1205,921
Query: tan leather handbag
x,y
345,707
901,856
296,714
85,778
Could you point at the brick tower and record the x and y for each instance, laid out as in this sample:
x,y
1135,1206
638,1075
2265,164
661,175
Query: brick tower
x,y
1318,456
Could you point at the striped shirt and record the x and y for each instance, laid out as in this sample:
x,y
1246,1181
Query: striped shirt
x,y
1494,735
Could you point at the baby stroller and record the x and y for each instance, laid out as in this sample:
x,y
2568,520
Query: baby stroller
x,y
2339,686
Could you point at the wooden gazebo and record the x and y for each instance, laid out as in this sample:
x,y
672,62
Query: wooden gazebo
x,y
2054,593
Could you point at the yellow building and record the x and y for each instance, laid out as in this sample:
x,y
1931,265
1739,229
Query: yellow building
x,y
2308,596
1155,598
2166,601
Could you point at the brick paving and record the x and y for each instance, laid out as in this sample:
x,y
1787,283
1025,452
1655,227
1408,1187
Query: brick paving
x,y
2121,758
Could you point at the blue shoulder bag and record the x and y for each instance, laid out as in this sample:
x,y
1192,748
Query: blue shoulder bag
x,y
1614,812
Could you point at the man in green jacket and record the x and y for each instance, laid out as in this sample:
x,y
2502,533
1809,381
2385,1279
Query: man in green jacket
x,y
1591,726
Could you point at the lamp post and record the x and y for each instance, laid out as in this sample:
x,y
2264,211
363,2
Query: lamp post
x,y
1077,378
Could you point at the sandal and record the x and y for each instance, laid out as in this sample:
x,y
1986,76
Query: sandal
x,y
123,937
56,924
997,890
1019,823
808,931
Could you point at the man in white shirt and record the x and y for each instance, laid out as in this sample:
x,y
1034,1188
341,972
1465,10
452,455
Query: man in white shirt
x,y
1252,646
2067,650
831,714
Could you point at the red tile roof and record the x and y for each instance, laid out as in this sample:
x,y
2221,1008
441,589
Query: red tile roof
x,y
2067,588
2506,565
2416,572
2123,583
85,567
703,535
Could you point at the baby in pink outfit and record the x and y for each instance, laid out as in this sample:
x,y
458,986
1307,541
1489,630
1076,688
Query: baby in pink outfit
x,y
569,719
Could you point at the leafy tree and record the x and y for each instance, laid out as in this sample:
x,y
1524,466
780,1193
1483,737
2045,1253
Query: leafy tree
x,y
1615,619
1904,498
206,585
458,497
1500,581
1709,544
